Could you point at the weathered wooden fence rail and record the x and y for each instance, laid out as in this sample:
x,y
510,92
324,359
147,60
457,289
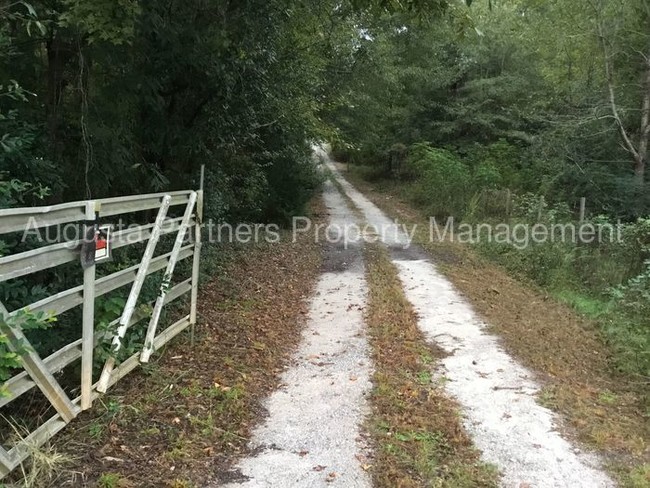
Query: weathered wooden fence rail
x,y
40,372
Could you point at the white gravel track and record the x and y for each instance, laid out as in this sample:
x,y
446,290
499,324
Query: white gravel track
x,y
311,437
496,393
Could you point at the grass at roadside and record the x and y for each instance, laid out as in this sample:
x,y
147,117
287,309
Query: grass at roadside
x,y
606,278
416,429
187,416
604,409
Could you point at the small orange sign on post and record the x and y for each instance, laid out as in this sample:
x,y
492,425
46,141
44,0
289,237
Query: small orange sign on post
x,y
103,243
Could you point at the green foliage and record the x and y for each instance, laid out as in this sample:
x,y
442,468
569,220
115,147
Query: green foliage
x,y
108,309
634,294
14,191
518,92
10,356
112,21
496,165
159,90
442,180
507,113
639,477
25,176
110,480
487,175
21,14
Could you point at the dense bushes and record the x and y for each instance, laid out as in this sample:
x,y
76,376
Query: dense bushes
x,y
607,279
441,180
135,98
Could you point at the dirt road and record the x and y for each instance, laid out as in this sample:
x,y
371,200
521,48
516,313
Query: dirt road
x,y
312,435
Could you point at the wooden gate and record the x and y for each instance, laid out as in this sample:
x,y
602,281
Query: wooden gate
x,y
40,372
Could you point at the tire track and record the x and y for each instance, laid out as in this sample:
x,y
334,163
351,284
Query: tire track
x,y
496,393
312,434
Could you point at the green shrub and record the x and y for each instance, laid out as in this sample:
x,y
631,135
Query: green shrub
x,y
630,341
507,159
443,182
549,264
372,174
292,178
634,295
341,152
10,359
487,175
496,165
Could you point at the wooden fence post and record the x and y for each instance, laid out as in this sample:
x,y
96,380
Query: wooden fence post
x,y
88,324
196,258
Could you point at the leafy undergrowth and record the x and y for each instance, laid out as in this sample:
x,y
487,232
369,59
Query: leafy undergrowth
x,y
604,409
187,416
416,430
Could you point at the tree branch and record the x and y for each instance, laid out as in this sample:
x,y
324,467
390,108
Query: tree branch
x,y
627,142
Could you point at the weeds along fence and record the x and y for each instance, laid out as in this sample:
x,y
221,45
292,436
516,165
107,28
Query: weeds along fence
x,y
43,374
500,203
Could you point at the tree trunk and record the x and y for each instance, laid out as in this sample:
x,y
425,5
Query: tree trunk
x,y
58,55
644,135
54,70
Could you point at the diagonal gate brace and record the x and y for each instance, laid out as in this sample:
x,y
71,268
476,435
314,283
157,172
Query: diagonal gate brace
x,y
38,370
129,308
160,301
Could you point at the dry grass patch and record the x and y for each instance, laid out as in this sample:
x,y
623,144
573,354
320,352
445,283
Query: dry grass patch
x,y
415,428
